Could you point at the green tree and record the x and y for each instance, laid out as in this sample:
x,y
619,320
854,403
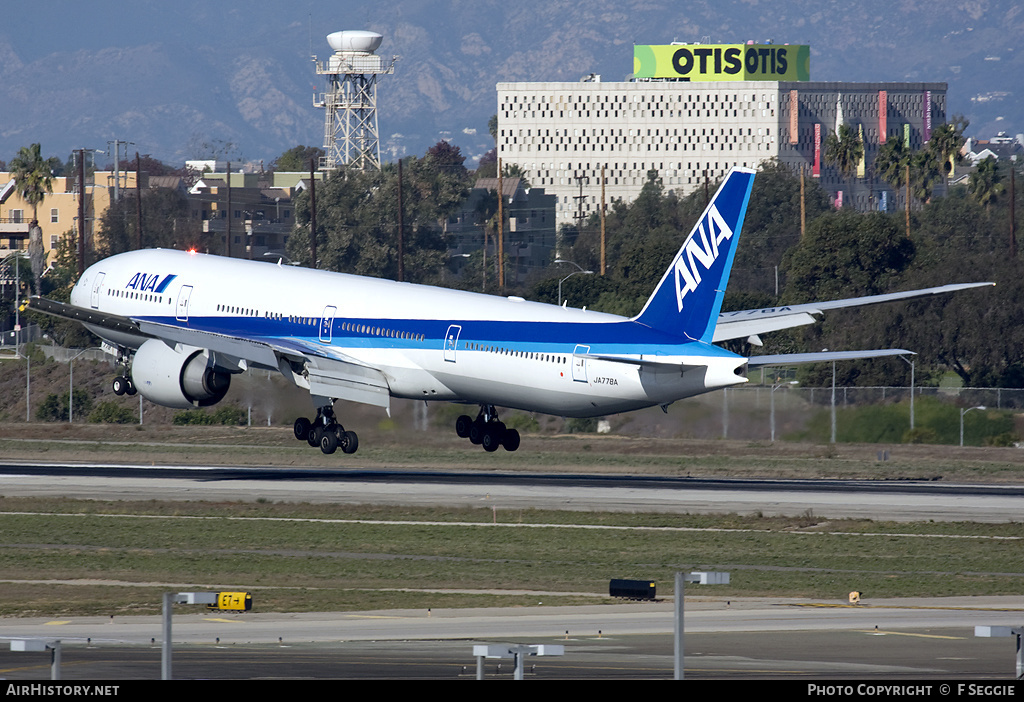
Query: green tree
x,y
925,174
844,150
492,127
34,177
110,412
296,159
165,224
847,254
357,217
772,227
33,174
946,141
55,408
488,165
892,161
985,183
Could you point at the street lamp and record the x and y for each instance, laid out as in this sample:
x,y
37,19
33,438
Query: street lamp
x,y
704,578
71,383
1005,631
581,270
906,360
51,645
962,413
776,386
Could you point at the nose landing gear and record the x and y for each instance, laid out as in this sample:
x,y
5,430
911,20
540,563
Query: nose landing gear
x,y
123,384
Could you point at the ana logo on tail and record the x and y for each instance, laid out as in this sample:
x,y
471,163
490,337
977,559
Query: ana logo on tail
x,y
702,247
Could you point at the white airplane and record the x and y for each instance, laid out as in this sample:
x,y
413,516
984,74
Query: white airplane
x,y
183,323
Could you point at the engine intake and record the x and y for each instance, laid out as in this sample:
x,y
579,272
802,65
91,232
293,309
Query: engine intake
x,y
182,378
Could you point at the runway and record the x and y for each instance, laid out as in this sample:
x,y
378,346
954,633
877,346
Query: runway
x,y
878,500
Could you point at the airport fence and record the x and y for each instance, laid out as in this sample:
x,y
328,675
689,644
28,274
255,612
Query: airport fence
x,y
781,411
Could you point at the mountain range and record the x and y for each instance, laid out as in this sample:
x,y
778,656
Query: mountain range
x,y
235,80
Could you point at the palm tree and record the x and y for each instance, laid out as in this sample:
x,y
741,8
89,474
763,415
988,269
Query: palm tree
x,y
34,176
985,183
892,161
844,150
925,172
946,141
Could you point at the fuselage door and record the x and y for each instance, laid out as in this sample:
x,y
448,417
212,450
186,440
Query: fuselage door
x,y
579,363
327,324
181,313
97,284
451,342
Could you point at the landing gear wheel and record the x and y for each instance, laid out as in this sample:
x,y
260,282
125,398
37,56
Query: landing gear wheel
x,y
349,442
120,386
511,440
302,428
313,437
463,425
491,439
476,431
328,441
131,390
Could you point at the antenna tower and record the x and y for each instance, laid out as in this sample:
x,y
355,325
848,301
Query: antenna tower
x,y
350,124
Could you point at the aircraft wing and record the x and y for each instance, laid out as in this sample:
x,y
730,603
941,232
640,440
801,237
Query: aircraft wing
x,y
324,370
63,310
750,323
786,359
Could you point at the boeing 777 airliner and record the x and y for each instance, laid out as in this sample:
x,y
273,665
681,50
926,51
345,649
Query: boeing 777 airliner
x,y
183,323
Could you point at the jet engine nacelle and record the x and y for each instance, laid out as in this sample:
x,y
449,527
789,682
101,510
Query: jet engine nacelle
x,y
181,377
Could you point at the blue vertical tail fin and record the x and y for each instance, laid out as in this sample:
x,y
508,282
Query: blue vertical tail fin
x,y
689,296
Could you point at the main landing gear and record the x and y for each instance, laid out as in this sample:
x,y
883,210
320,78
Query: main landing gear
x,y
487,430
326,433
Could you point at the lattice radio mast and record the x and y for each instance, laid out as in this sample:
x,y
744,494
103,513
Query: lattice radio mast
x,y
351,135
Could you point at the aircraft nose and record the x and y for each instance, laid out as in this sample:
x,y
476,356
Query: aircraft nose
x,y
78,291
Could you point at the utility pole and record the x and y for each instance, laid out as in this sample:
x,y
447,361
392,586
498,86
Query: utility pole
x,y
602,221
138,198
501,233
1013,218
401,229
117,165
580,180
228,213
117,169
906,190
81,212
312,212
803,206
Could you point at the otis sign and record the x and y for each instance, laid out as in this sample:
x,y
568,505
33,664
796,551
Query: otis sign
x,y
707,62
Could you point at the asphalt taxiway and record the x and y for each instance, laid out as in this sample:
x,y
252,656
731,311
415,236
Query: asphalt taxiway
x,y
781,639
863,499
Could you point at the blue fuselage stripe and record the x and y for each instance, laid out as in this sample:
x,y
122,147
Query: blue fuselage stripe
x,y
624,337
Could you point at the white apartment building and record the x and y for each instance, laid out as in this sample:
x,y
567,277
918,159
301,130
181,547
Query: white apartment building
x,y
563,134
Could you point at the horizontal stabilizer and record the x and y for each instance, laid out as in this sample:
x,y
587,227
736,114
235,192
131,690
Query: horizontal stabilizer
x,y
744,323
786,359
